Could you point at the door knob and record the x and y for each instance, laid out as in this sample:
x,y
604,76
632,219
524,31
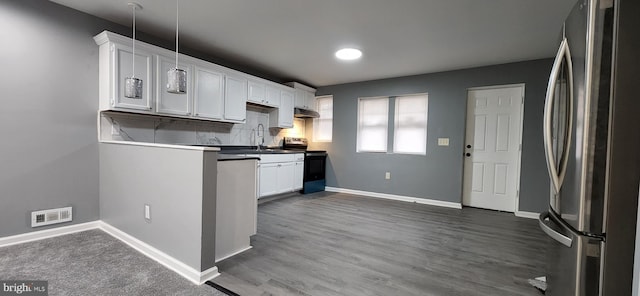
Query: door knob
x,y
468,146
467,154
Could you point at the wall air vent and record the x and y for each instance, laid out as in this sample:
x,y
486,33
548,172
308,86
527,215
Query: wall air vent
x,y
51,216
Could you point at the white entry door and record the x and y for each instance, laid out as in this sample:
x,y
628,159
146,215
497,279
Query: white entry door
x,y
492,147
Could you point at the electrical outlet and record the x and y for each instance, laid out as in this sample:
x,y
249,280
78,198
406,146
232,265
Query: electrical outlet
x,y
387,175
147,212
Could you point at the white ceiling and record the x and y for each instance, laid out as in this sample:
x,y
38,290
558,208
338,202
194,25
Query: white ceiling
x,y
296,39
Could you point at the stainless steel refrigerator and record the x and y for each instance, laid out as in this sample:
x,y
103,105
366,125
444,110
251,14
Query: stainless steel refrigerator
x,y
592,145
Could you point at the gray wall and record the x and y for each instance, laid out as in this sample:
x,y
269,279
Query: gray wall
x,y
438,175
49,85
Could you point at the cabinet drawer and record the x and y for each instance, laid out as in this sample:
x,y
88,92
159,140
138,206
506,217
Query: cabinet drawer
x,y
270,158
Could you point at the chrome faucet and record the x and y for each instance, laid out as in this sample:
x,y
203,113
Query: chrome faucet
x,y
260,128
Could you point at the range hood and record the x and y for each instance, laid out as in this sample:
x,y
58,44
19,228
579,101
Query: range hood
x,y
304,113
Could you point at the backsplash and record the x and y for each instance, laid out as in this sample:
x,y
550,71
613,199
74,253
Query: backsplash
x,y
127,127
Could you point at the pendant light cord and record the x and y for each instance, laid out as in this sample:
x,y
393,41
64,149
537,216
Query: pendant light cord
x,y
177,18
133,60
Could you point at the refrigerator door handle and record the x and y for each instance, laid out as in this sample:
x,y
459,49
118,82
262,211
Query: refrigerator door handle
x,y
559,237
557,174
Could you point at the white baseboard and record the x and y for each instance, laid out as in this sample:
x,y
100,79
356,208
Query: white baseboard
x,y
47,233
530,215
174,264
433,202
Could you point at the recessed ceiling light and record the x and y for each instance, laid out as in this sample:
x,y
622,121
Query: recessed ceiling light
x,y
348,54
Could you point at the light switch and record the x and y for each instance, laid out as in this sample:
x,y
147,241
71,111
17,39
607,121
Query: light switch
x,y
443,141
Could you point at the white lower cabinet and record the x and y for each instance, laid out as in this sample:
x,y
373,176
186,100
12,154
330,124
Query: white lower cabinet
x,y
285,176
268,179
280,173
298,175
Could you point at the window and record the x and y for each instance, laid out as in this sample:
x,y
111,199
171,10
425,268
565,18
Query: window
x,y
409,126
410,129
322,127
373,117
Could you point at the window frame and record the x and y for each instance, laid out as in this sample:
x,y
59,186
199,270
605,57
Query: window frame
x,y
316,121
396,124
359,126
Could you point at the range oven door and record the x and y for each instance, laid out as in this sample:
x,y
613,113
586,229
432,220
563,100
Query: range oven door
x,y
314,166
314,172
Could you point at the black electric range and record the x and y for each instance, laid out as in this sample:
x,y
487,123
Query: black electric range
x,y
315,163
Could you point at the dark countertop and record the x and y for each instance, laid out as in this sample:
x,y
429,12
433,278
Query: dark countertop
x,y
231,157
235,149
263,151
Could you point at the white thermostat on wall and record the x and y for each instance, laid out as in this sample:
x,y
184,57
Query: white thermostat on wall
x,y
443,141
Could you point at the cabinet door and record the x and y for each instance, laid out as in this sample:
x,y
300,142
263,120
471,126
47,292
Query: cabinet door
x,y
285,113
300,98
122,63
273,96
285,176
170,103
268,179
208,97
298,175
257,93
310,101
235,98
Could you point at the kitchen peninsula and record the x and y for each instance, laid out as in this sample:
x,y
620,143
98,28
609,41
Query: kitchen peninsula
x,y
161,199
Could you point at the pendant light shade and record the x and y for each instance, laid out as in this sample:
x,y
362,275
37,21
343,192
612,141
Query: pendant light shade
x,y
177,78
133,85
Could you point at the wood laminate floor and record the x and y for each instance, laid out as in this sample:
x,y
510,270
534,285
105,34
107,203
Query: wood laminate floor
x,y
341,244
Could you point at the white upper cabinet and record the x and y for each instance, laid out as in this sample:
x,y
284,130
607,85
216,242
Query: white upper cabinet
x,y
304,96
235,98
263,94
121,63
305,99
170,103
310,99
208,94
282,117
286,109
300,99
272,97
214,92
257,92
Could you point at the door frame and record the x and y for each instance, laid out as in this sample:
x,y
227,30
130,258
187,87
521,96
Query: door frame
x,y
520,129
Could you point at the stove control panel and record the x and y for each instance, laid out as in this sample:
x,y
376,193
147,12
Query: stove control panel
x,y
294,142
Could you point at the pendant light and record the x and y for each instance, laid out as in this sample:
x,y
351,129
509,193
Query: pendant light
x,y
133,85
177,78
